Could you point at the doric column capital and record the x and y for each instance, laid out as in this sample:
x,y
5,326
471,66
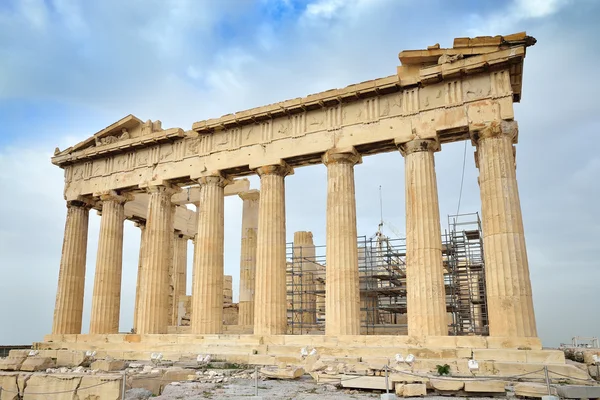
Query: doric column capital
x,y
418,145
281,169
214,178
81,204
347,155
140,223
113,195
494,129
166,188
250,195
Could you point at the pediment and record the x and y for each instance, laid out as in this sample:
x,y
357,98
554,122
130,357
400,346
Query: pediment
x,y
127,133
120,130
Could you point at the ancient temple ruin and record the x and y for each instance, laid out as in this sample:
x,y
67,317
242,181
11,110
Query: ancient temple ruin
x,y
449,296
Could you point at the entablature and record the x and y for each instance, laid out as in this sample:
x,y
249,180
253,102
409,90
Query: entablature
x,y
441,102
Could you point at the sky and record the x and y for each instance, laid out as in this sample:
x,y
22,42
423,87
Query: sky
x,y
69,68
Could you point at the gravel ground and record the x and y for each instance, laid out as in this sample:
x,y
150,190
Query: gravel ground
x,y
301,389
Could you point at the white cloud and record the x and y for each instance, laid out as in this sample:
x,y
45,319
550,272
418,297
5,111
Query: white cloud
x,y
174,62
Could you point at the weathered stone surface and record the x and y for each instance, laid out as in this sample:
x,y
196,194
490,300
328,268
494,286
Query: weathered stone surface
x,y
342,302
70,358
407,378
447,385
8,382
153,302
178,374
531,389
426,299
63,386
510,304
68,309
485,386
248,256
12,363
399,389
578,392
207,298
270,297
415,390
33,364
100,387
364,382
282,373
138,394
106,297
108,365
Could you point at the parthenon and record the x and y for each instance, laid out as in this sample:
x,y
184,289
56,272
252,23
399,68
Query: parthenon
x,y
140,171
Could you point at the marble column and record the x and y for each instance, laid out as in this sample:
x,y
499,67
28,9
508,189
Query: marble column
x,y
106,298
248,256
270,315
342,290
153,312
426,294
179,277
142,226
508,286
68,309
207,299
194,239
304,260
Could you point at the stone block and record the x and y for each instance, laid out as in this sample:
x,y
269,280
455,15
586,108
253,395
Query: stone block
x,y
517,343
178,374
545,356
282,373
8,381
101,387
530,389
66,358
588,356
447,385
485,386
108,365
151,382
364,382
401,377
64,386
399,389
578,392
500,355
415,390
12,363
33,364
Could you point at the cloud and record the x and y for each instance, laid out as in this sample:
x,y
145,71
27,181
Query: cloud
x,y
183,61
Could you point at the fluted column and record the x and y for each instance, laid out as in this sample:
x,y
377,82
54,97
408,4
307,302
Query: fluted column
x,y
207,299
426,295
179,277
304,258
153,312
106,299
342,290
248,256
508,286
68,309
270,315
142,226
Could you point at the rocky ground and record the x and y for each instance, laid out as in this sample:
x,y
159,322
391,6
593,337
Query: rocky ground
x,y
302,389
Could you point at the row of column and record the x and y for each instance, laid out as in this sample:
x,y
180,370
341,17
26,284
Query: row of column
x,y
510,305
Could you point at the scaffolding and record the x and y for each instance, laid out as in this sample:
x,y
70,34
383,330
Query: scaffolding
x,y
382,277
464,263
